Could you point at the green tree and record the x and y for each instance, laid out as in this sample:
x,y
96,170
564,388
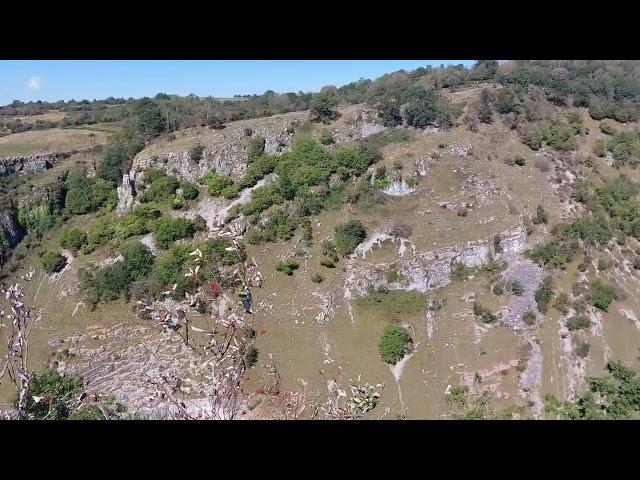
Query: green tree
x,y
394,343
348,236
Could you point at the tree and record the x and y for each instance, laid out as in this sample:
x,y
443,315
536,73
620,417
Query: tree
x,y
394,343
53,262
73,239
323,105
79,198
389,113
485,112
348,236
150,120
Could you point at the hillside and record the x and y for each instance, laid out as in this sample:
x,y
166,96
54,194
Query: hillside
x,y
436,244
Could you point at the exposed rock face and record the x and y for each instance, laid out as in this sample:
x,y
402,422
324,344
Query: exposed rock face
x,y
428,270
126,194
28,164
129,369
399,189
9,224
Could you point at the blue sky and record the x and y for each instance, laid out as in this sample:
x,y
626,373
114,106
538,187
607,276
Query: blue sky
x,y
88,79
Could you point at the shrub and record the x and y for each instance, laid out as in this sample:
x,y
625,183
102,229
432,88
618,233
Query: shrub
x,y
601,295
481,311
161,188
251,357
400,229
541,215
520,161
229,192
578,322
529,317
497,288
147,211
322,106
544,294
394,343
199,223
137,260
216,248
216,183
327,262
167,230
79,197
169,269
255,148
130,225
195,153
102,232
607,128
561,302
189,191
317,278
326,138
53,262
57,392
348,236
248,131
287,266
516,288
73,239
582,350
459,271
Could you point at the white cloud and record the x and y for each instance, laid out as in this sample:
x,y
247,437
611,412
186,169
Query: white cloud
x,y
35,83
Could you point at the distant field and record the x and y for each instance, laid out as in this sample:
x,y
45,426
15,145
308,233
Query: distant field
x,y
49,116
98,127
52,140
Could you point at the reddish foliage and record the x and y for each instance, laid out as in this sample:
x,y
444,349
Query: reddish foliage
x,y
216,289
263,331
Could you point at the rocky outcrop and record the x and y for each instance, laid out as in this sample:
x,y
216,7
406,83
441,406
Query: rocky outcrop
x,y
428,270
10,227
126,194
28,164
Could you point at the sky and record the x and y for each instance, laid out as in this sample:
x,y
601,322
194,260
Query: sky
x,y
51,80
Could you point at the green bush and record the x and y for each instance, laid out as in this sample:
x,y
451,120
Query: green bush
x,y
137,260
215,248
544,294
130,225
73,239
317,277
195,153
483,312
147,211
601,295
162,188
251,357
189,191
53,262
578,322
167,230
101,233
582,350
229,192
516,288
394,343
326,138
287,266
607,128
199,223
58,394
520,161
169,269
541,215
529,317
348,236
255,148
78,198
216,183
